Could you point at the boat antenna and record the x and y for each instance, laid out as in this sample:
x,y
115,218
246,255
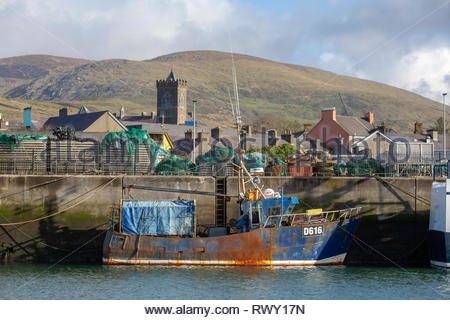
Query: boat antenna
x,y
238,121
232,106
236,92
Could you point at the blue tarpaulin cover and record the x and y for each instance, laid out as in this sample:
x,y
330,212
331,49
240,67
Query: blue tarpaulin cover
x,y
170,218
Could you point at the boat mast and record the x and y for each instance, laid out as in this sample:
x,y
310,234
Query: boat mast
x,y
235,108
238,122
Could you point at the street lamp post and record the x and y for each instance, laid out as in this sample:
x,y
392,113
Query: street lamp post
x,y
445,126
193,143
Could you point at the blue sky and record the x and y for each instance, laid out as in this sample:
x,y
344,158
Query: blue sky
x,y
400,42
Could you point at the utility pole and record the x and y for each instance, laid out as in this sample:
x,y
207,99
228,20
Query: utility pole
x,y
193,143
445,126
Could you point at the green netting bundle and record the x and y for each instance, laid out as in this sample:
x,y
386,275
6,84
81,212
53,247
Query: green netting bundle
x,y
15,140
254,160
216,156
130,139
364,167
174,165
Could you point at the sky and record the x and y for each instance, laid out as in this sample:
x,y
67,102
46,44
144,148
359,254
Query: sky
x,y
404,43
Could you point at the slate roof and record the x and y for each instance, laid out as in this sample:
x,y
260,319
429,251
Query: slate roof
x,y
79,122
139,118
177,132
354,125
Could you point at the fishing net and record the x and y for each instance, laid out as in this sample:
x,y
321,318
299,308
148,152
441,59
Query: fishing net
x,y
254,160
15,140
174,165
216,156
364,167
130,139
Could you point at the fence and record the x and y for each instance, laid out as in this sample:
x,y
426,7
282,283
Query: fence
x,y
88,157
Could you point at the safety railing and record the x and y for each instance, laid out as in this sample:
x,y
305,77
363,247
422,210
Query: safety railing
x,y
293,219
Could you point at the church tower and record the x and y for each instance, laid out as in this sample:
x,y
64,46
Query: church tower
x,y
171,100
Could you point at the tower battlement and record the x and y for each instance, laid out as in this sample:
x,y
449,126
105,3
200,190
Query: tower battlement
x,y
170,83
171,99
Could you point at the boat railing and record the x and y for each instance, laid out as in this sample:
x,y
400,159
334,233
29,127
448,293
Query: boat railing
x,y
293,219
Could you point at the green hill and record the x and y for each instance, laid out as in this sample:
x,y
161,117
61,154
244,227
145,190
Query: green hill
x,y
15,71
267,89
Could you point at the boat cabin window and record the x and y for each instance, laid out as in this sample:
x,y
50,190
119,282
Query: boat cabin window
x,y
274,211
255,216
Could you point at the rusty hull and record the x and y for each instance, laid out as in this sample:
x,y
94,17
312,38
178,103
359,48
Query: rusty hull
x,y
265,246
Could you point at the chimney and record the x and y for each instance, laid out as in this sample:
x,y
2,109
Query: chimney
x,y
288,137
418,127
383,128
203,141
369,117
27,123
248,130
188,135
122,112
216,133
272,137
329,114
307,127
63,112
433,133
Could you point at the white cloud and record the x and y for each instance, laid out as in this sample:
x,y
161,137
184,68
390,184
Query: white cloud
x,y
424,71
364,39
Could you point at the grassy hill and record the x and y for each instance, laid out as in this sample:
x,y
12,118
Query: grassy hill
x,y
16,71
267,89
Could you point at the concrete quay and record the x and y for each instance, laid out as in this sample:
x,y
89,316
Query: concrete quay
x,y
393,230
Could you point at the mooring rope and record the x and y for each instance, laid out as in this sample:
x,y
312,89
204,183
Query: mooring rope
x,y
92,192
426,201
387,258
35,186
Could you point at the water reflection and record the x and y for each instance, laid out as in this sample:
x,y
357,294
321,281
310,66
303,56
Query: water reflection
x,y
208,282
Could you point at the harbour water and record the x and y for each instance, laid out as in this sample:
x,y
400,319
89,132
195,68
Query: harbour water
x,y
159,282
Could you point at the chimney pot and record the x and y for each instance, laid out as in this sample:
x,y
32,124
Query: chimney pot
x,y
418,127
216,133
307,127
369,117
329,114
63,112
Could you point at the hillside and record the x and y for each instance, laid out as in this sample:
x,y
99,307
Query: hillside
x,y
16,71
267,89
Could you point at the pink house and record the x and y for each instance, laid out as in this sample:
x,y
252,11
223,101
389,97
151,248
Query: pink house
x,y
347,130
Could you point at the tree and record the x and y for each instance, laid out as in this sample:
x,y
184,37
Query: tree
x,y
439,125
276,152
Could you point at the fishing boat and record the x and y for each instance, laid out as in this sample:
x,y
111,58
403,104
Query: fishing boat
x,y
268,233
439,226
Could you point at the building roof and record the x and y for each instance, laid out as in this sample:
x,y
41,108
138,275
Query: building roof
x,y
177,133
79,122
354,125
377,132
140,118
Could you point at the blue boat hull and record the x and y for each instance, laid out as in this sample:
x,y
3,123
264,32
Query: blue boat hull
x,y
286,245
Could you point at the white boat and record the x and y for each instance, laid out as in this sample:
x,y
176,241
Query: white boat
x,y
439,228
